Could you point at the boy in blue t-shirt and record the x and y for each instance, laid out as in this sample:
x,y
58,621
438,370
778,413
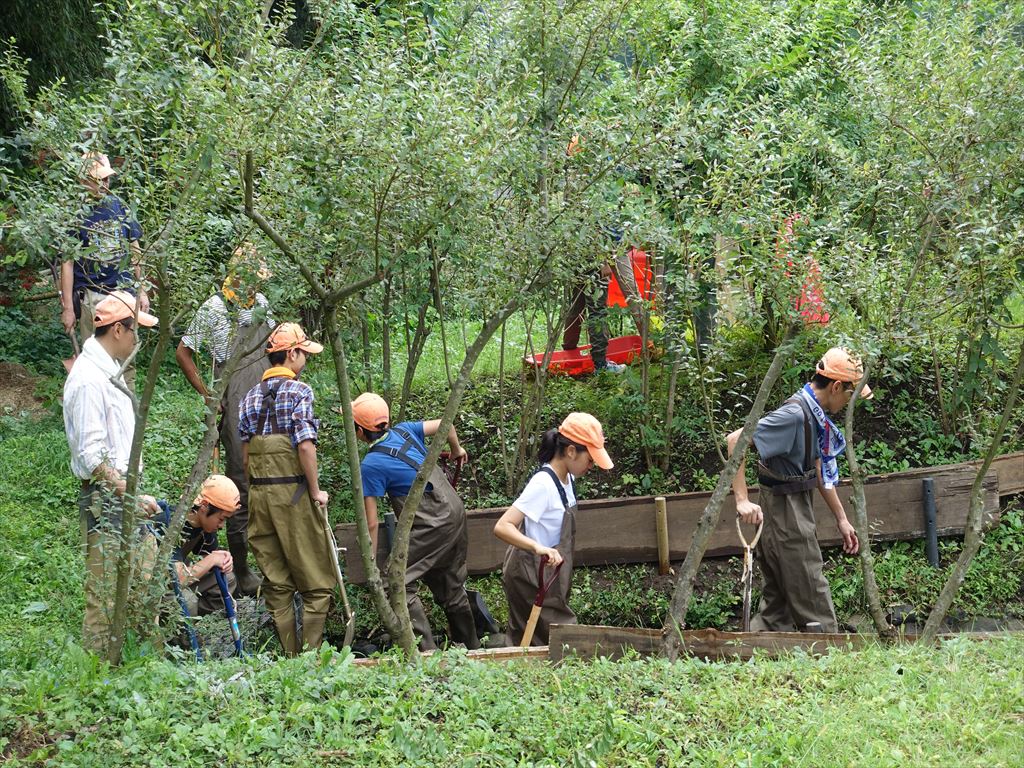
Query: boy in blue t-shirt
x,y
439,539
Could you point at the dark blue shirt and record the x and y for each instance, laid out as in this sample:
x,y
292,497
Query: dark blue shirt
x,y
193,540
385,475
105,235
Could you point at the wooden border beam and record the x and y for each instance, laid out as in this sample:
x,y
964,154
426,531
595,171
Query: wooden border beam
x,y
613,531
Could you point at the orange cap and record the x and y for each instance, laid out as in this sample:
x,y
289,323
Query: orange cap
x,y
291,336
120,305
97,166
370,410
219,491
840,364
584,429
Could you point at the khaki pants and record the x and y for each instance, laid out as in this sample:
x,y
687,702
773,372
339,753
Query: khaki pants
x,y
100,518
796,592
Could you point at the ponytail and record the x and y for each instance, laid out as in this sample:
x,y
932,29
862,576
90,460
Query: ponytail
x,y
553,443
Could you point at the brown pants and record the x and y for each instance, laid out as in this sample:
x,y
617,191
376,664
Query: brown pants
x,y
204,596
519,578
437,556
796,592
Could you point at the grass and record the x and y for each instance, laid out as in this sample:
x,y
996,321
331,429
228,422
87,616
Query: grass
x,y
961,704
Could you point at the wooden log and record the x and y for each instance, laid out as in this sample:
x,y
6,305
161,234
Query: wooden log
x,y
590,642
661,523
614,531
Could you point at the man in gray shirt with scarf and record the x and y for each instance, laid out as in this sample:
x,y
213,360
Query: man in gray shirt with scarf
x,y
797,445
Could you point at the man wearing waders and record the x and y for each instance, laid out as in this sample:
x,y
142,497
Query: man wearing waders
x,y
540,528
279,433
237,314
439,539
797,446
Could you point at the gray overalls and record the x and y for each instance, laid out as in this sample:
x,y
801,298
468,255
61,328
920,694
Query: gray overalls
x,y
796,592
519,578
438,544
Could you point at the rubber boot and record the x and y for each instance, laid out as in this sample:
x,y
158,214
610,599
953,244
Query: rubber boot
x,y
284,622
247,583
312,630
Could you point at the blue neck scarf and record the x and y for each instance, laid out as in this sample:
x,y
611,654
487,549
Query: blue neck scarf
x,y
830,439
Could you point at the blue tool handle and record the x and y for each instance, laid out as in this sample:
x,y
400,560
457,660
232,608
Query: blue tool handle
x,y
229,609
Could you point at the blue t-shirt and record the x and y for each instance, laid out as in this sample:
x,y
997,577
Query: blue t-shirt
x,y
105,235
385,475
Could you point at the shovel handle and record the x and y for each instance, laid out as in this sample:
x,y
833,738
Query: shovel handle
x,y
757,536
531,626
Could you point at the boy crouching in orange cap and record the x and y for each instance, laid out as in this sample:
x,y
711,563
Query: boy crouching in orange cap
x,y
198,552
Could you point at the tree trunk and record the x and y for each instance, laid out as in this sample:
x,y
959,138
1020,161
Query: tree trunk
x,y
385,342
858,501
973,534
392,621
413,353
399,558
675,622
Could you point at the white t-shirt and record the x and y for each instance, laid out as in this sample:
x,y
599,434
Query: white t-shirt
x,y
542,507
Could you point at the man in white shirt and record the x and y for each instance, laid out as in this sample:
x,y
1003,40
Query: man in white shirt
x,y
237,314
99,420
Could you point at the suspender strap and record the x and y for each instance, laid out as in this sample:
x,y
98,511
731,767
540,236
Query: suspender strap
x,y
558,485
786,484
267,408
402,454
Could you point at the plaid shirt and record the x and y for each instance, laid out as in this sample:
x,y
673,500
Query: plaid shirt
x,y
293,407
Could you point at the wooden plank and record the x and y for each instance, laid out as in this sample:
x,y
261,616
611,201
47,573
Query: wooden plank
x,y
590,642
623,530
1010,469
498,655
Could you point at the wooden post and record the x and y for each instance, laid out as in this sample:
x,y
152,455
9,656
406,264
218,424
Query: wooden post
x,y
661,518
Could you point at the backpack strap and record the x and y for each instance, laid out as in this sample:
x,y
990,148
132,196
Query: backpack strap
x,y
558,485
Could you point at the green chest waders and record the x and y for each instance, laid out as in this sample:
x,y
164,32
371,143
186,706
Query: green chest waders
x,y
796,592
285,532
519,578
438,544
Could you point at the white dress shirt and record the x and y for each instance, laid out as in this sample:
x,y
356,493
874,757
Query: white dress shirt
x,y
98,417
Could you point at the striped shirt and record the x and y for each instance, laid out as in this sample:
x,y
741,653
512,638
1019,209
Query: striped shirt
x,y
293,407
98,417
215,325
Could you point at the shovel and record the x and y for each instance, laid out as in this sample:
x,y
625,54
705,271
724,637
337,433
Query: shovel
x,y
538,603
332,544
452,469
229,609
193,638
748,569
74,345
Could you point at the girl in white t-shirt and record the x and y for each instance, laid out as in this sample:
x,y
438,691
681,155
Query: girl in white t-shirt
x,y
540,526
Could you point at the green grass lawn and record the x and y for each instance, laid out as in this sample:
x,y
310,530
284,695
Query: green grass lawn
x,y
959,705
